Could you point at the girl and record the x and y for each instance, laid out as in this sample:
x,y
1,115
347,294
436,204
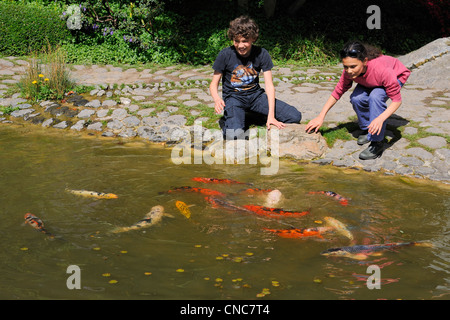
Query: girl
x,y
379,78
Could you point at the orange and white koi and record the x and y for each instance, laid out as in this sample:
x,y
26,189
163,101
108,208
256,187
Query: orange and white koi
x,y
209,192
93,194
274,212
216,180
361,252
36,223
183,208
334,195
295,233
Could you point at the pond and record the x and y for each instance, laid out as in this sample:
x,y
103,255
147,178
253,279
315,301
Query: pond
x,y
218,253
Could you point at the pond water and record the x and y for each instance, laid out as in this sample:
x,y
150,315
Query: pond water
x,y
217,254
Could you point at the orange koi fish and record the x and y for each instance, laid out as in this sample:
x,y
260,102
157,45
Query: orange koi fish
x,y
294,233
208,192
215,180
36,223
341,199
274,212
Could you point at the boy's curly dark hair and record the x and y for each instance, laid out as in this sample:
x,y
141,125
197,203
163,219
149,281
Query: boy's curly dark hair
x,y
243,26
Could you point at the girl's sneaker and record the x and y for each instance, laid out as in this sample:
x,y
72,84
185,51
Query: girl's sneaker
x,y
373,151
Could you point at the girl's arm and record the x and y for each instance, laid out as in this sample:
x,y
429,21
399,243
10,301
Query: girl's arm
x,y
270,92
219,104
316,123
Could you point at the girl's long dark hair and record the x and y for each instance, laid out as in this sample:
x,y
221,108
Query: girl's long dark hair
x,y
360,51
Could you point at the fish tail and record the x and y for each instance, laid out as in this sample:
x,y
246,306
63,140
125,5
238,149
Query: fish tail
x,y
425,244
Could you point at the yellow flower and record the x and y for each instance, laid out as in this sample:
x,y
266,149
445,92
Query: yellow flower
x,y
41,75
34,82
46,79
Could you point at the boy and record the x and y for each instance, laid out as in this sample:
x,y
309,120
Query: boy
x,y
239,65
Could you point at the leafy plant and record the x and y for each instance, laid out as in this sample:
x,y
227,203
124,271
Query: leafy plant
x,y
47,76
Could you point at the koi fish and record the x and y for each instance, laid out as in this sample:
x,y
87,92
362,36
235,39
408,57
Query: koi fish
x,y
294,233
215,180
274,212
93,194
183,208
153,217
361,252
216,203
273,197
339,227
36,223
208,192
341,199
255,191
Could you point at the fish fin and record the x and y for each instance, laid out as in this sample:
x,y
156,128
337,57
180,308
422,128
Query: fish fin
x,y
168,215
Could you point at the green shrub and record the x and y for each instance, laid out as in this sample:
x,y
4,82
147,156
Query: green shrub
x,y
26,28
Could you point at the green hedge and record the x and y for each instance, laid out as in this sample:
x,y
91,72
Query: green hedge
x,y
25,29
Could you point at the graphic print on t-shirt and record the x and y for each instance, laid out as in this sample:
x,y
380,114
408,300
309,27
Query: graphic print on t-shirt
x,y
243,77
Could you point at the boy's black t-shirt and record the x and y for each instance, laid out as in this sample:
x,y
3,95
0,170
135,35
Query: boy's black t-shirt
x,y
241,75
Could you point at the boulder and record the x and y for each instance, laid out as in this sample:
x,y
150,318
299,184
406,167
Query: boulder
x,y
294,142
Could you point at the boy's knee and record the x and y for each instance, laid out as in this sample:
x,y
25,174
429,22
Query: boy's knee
x,y
295,116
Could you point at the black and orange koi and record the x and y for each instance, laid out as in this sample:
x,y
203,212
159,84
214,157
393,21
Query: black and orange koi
x,y
274,212
255,191
216,180
334,195
36,223
294,233
205,191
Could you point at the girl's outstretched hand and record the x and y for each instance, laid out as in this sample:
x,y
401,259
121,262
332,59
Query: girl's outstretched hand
x,y
314,125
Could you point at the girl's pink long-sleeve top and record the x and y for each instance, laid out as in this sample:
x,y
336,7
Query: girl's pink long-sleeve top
x,y
383,71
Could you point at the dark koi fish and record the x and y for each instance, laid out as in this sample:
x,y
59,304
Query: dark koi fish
x,y
274,212
220,203
215,180
334,195
205,191
36,223
361,252
294,233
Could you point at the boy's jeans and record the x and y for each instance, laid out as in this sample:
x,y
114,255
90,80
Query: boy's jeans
x,y
237,105
368,104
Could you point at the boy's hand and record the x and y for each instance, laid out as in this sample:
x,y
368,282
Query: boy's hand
x,y
219,104
276,123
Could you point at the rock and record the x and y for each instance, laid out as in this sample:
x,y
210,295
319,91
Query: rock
x,y
426,53
21,113
61,125
94,103
433,142
97,126
86,113
78,126
295,143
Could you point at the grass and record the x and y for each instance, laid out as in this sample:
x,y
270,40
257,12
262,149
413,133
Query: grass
x,y
47,76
